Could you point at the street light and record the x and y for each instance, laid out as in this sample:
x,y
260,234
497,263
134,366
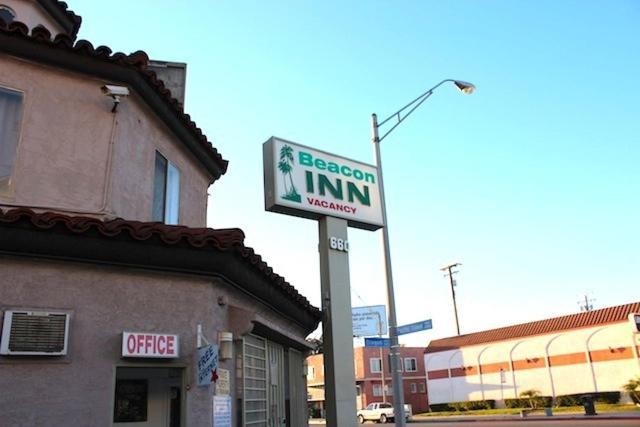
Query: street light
x,y
398,394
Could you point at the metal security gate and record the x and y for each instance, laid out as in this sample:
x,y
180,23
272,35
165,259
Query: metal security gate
x,y
263,382
297,390
254,384
277,408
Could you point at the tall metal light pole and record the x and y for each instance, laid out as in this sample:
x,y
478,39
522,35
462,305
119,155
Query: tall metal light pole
x,y
450,273
394,353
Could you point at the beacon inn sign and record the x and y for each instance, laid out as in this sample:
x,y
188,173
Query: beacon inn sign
x,y
309,183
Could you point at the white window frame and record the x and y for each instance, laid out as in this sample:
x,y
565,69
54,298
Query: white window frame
x,y
377,390
11,152
377,361
415,363
423,388
414,388
171,197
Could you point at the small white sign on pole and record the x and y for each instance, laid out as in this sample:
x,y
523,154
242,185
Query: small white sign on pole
x,y
369,321
207,363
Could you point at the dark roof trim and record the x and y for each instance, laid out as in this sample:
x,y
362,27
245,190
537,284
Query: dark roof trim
x,y
586,319
130,69
154,246
58,10
268,332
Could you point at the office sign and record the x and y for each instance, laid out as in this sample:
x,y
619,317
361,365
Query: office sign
x,y
142,344
377,342
310,183
415,327
369,321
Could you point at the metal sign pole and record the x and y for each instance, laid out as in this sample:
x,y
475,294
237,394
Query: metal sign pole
x,y
337,331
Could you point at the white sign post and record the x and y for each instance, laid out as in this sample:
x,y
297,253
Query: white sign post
x,y
338,192
369,321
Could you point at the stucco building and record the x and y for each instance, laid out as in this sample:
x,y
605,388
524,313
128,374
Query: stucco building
x,y
588,352
373,378
111,282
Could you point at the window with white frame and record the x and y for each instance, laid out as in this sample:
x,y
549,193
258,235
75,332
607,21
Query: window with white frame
x,y
422,388
414,388
375,364
10,118
377,390
410,364
388,390
166,191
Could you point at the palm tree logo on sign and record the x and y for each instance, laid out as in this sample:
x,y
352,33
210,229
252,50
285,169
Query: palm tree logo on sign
x,y
285,165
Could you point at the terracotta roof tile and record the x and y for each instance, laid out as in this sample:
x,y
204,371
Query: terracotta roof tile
x,y
556,324
224,240
137,61
65,17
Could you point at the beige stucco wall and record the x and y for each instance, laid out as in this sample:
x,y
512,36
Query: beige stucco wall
x,y
606,372
75,156
105,301
30,13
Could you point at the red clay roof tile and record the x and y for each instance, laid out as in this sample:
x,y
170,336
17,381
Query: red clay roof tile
x,y
137,61
224,240
556,324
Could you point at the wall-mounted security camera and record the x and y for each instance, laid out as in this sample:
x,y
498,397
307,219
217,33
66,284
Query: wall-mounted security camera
x,y
115,92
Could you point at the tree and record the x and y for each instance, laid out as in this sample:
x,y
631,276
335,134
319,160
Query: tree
x,y
532,395
633,388
285,165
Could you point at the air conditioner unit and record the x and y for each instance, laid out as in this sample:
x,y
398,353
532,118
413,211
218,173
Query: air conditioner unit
x,y
34,333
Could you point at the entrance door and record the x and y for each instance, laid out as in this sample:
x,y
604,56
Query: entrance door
x,y
276,384
147,397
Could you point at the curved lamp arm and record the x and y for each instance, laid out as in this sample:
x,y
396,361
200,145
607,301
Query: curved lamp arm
x,y
464,87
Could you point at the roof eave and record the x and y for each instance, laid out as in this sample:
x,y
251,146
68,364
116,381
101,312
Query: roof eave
x,y
69,21
43,53
23,241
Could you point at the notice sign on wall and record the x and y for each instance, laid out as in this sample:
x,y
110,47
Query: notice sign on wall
x,y
309,183
221,411
223,385
142,344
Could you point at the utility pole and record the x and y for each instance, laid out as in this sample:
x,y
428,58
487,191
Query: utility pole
x,y
450,273
588,304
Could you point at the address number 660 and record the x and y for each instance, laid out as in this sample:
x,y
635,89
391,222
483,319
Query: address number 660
x,y
338,244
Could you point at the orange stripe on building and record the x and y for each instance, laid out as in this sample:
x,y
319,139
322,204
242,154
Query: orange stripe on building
x,y
464,371
617,353
567,359
436,375
490,368
529,363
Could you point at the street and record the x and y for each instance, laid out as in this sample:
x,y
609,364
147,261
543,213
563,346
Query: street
x,y
474,422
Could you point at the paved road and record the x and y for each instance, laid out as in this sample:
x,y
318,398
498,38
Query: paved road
x,y
529,422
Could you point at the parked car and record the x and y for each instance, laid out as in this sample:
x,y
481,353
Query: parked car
x,y
381,412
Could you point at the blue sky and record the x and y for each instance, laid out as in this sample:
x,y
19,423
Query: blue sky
x,y
531,182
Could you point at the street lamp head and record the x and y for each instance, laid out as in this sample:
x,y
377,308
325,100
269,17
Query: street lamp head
x,y
465,87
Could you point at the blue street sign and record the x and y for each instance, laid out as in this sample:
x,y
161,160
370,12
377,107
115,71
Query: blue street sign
x,y
377,342
414,327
